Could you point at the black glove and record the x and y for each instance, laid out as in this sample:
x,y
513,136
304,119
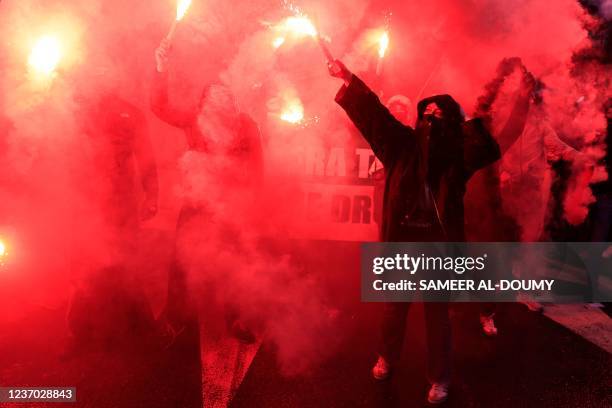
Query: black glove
x,y
339,70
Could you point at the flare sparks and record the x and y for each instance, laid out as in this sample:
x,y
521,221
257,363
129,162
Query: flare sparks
x,y
181,9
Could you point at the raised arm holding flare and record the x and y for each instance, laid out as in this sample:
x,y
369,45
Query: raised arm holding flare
x,y
426,172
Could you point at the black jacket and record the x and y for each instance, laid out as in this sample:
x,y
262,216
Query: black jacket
x,y
411,212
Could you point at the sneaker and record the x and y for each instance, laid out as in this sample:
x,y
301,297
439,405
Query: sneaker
x,y
595,306
534,306
531,304
438,393
381,370
488,325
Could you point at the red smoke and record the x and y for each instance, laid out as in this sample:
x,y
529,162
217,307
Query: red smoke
x,y
444,46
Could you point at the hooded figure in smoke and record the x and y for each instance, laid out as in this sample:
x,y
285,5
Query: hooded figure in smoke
x,y
114,156
221,173
427,169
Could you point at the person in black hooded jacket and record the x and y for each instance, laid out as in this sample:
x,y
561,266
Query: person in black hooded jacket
x,y
427,168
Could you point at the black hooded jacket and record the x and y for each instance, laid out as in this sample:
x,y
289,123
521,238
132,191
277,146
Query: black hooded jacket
x,y
423,198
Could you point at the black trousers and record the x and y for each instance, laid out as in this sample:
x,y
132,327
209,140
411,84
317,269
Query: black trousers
x,y
487,308
437,321
437,328
181,307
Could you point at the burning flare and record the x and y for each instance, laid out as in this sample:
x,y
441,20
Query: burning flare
x,y
181,9
383,44
3,253
45,55
293,112
299,26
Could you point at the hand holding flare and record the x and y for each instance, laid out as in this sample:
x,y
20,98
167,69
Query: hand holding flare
x,y
161,53
338,70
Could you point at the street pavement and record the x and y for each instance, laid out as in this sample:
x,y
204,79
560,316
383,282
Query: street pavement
x,y
533,362
537,360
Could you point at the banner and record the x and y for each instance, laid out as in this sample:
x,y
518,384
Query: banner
x,y
342,195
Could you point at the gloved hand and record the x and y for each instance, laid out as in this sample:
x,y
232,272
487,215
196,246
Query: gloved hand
x,y
339,70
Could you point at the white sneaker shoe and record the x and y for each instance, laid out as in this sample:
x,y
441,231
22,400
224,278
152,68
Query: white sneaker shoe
x,y
381,370
531,304
534,306
488,325
438,393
